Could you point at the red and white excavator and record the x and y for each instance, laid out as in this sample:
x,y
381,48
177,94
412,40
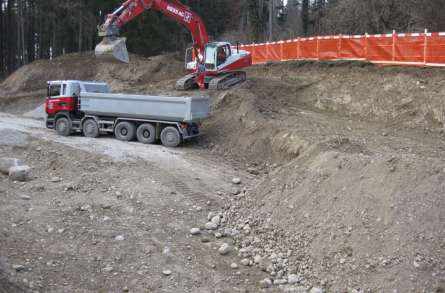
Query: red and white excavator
x,y
214,65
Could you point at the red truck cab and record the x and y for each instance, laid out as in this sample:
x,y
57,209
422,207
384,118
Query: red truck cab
x,y
61,98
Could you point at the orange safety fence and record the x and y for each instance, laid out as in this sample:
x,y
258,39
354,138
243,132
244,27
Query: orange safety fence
x,y
425,49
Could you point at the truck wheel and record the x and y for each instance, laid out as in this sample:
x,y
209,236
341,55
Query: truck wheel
x,y
125,131
63,126
90,128
170,137
146,133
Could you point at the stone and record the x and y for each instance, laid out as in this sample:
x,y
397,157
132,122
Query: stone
x,y
216,220
236,180
195,231
236,191
225,249
253,171
257,259
280,281
316,290
55,179
294,279
245,262
8,163
166,272
266,283
18,268
205,239
20,173
218,235
234,266
25,197
85,208
107,269
211,226
119,238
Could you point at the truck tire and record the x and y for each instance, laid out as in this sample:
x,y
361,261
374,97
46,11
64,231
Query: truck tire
x,y
63,126
125,131
90,128
146,133
170,137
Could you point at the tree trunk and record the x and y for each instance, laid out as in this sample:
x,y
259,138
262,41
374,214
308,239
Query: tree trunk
x,y
305,16
271,14
79,49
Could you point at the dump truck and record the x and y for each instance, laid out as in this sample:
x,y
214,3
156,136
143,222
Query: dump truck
x,y
89,108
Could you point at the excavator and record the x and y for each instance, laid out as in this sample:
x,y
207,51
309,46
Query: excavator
x,y
210,65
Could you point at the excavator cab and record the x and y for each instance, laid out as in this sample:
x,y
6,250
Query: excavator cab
x,y
216,54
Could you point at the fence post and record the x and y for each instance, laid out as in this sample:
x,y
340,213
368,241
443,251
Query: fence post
x,y
318,48
281,50
339,47
366,47
267,52
425,47
394,37
298,48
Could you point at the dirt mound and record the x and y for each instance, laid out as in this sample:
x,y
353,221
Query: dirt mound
x,y
354,172
136,75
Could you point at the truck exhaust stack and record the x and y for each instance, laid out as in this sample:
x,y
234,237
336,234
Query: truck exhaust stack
x,y
113,48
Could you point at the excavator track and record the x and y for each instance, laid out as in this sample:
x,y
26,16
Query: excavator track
x,y
187,82
227,80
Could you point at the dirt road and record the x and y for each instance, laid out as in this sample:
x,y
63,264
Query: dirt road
x,y
105,216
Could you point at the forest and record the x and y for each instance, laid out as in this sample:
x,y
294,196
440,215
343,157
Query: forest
x,y
43,29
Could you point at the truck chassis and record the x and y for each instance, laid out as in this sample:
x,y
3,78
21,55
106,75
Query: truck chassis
x,y
171,134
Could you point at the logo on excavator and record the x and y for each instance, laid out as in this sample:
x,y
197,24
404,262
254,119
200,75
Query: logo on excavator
x,y
184,14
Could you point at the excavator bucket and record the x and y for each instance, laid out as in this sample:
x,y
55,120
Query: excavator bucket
x,y
113,48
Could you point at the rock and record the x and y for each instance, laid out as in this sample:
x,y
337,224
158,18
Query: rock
x,y
195,231
236,180
245,262
266,283
280,281
316,290
211,215
166,272
25,197
218,235
85,208
294,279
234,266
216,220
257,259
205,239
253,171
55,179
107,269
225,249
18,268
211,226
20,173
7,163
119,238
236,191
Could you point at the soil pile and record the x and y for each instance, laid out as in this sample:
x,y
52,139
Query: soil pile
x,y
140,72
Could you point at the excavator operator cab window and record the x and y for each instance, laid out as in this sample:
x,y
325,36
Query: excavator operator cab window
x,y
223,53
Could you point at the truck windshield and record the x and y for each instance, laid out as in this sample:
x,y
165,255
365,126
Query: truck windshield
x,y
54,90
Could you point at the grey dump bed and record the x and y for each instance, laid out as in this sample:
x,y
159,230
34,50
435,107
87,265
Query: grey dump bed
x,y
174,109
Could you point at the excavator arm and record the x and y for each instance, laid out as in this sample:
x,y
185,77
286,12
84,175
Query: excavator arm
x,y
115,46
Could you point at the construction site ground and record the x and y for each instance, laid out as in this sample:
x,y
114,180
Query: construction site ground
x,y
342,172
